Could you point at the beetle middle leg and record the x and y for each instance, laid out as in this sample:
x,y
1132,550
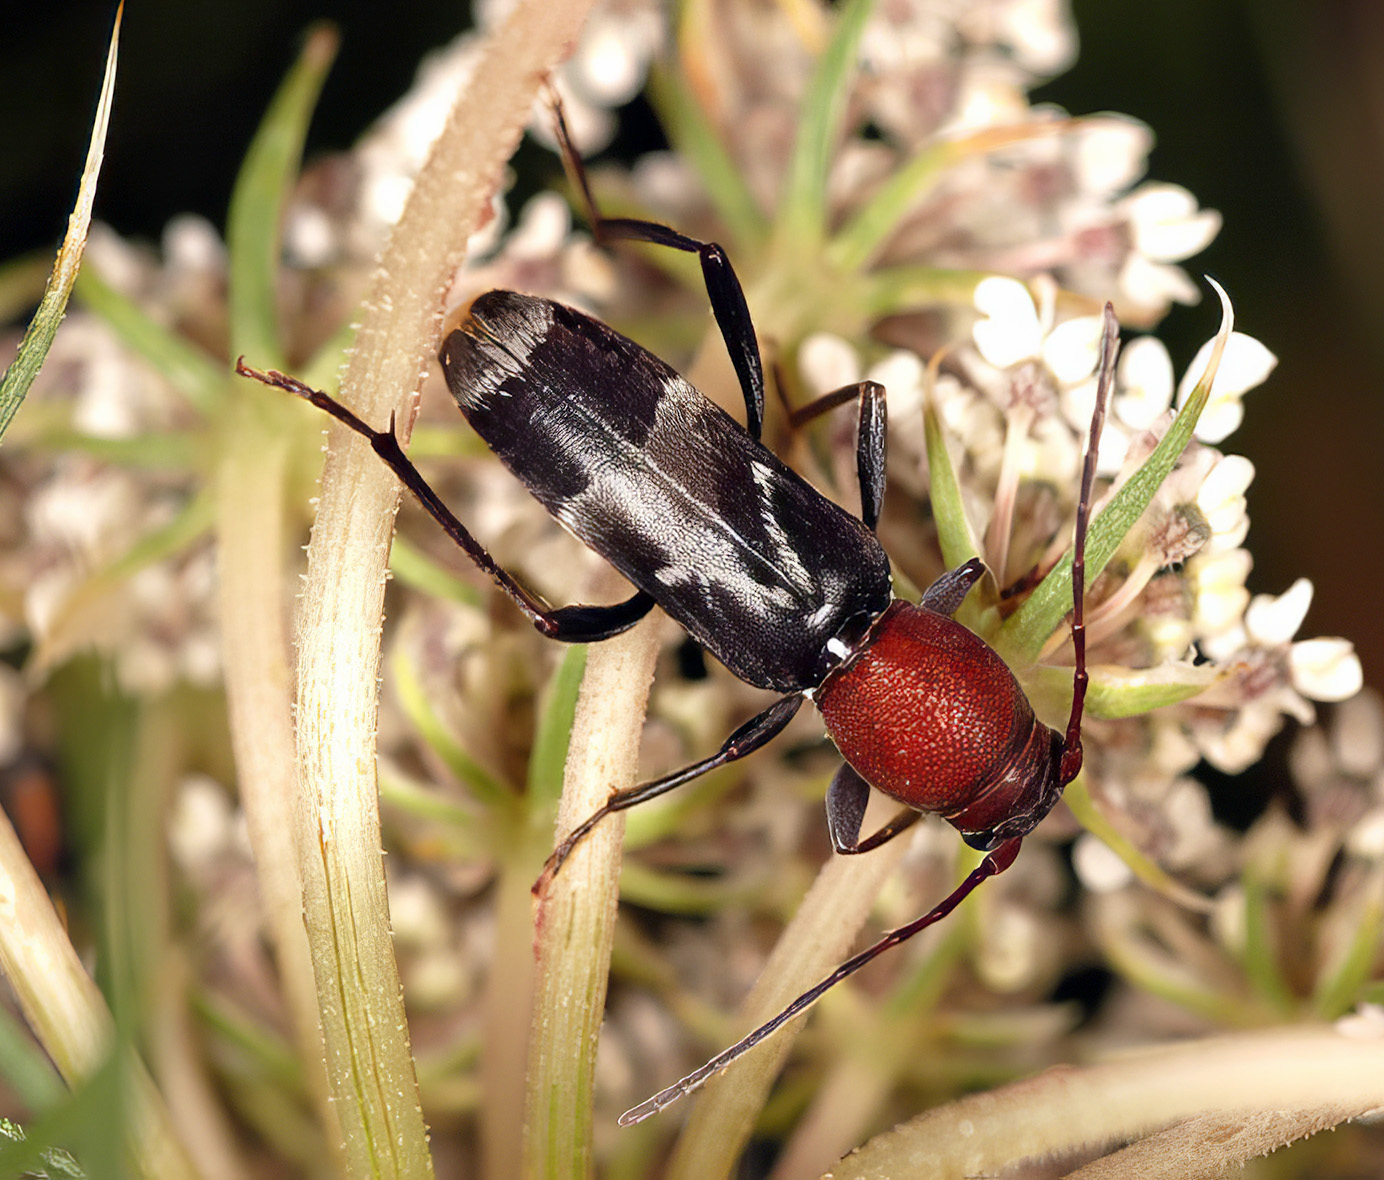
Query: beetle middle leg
x,y
870,440
722,286
846,800
570,624
761,728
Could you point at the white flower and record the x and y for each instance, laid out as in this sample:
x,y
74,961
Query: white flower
x,y
1246,363
1221,500
1167,224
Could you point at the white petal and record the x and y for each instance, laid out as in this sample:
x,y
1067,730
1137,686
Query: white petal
x,y
1366,839
1246,363
1098,867
1221,497
1167,224
1325,669
1145,382
1010,331
900,373
828,362
1072,349
1272,620
1153,285
1357,737
1111,153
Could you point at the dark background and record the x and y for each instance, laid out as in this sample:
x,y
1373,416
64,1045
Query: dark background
x,y
1268,110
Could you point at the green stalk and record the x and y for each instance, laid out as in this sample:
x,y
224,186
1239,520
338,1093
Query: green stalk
x,y
252,538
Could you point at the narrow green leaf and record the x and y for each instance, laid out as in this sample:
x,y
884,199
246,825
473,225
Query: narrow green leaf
x,y
858,241
38,339
870,228
944,491
803,209
488,790
694,139
257,203
1261,957
1025,632
1339,989
413,568
678,893
66,631
554,730
1116,692
189,370
894,289
25,1068
175,452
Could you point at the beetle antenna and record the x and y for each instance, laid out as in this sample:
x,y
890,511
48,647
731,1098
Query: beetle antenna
x,y
995,863
1071,743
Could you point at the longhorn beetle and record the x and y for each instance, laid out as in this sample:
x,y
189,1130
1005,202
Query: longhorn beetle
x,y
784,587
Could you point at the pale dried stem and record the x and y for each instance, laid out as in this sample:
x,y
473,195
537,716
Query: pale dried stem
x,y
369,1066
67,1012
251,588
576,914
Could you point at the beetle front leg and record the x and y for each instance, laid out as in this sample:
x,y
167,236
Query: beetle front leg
x,y
722,286
746,740
846,800
569,624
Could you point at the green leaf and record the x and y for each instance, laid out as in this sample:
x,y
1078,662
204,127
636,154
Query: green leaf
x,y
412,567
25,1068
894,289
261,193
1116,692
1261,959
866,232
944,491
554,730
67,631
802,220
1339,989
1025,632
860,239
413,697
38,339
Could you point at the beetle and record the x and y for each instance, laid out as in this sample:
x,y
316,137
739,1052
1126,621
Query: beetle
x,y
785,587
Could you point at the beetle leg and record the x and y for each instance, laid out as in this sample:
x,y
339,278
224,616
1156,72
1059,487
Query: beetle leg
x,y
870,439
745,740
570,624
722,287
846,799
948,592
994,864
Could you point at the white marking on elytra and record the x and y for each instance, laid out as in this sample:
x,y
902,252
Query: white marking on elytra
x,y
838,648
